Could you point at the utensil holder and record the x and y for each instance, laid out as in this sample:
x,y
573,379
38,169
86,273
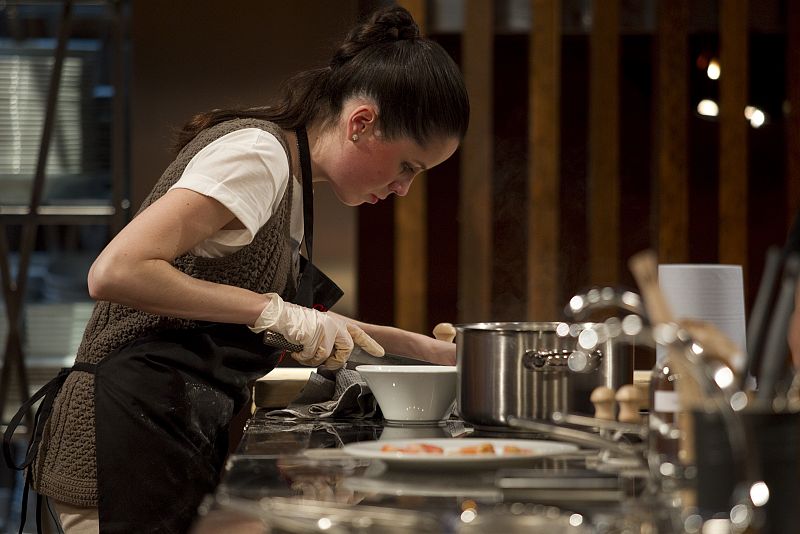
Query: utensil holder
x,y
773,443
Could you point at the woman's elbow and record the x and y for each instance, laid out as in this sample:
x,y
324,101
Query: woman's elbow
x,y
104,278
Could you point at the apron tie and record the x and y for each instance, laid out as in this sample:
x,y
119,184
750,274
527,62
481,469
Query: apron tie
x,y
49,392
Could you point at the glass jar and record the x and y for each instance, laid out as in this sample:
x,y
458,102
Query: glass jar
x,y
664,434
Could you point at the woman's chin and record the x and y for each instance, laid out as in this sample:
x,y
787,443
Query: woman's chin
x,y
353,200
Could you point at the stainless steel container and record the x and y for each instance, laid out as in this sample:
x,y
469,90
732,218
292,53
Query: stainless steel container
x,y
521,369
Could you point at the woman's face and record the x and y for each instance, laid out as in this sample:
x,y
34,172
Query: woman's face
x,y
370,168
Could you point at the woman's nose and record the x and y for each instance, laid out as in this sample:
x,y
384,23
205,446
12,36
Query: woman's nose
x,y
401,188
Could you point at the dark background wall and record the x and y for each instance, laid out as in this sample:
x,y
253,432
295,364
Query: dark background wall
x,y
191,56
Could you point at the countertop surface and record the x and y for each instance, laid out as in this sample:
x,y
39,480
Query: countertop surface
x,y
294,476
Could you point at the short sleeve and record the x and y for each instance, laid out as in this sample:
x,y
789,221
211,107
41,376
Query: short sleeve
x,y
246,171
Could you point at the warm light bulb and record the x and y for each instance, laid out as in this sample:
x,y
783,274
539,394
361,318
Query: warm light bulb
x,y
758,119
713,69
708,108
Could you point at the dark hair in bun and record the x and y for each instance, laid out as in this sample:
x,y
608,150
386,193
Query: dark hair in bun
x,y
416,85
384,27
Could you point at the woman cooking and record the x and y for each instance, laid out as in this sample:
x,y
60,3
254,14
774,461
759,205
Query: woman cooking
x,y
187,290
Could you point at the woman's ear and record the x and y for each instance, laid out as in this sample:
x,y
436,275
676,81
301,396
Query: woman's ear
x,y
361,122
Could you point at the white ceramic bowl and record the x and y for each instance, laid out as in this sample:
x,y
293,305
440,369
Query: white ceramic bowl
x,y
412,393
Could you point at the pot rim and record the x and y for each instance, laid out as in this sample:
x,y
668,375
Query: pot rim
x,y
517,326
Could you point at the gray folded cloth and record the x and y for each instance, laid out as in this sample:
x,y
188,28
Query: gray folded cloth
x,y
345,394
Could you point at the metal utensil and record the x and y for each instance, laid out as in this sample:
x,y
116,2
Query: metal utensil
x,y
361,357
759,315
580,437
773,361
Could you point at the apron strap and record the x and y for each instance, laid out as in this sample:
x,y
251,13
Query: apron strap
x,y
49,392
308,191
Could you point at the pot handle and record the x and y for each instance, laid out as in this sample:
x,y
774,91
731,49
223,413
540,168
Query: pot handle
x,y
581,361
534,359
545,360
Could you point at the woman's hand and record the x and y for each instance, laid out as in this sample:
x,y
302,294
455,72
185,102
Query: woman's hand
x,y
326,339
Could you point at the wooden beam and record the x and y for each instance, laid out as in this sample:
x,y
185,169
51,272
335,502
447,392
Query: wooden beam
x,y
671,132
603,178
733,82
544,88
475,201
411,236
793,118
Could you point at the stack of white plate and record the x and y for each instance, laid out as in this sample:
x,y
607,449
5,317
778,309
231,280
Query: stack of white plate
x,y
55,329
707,292
24,79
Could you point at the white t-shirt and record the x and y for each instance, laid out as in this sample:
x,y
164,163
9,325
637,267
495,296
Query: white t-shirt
x,y
247,172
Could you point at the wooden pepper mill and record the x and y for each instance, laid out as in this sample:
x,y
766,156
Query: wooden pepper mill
x,y
630,401
603,399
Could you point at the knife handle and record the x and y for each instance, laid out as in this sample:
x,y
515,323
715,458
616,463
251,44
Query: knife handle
x,y
274,339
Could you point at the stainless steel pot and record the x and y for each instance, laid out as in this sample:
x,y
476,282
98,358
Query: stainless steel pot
x,y
523,369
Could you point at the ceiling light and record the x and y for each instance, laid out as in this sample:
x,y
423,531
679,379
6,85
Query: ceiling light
x,y
713,70
708,108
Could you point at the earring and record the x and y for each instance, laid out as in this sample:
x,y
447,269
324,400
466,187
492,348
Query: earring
x,y
354,137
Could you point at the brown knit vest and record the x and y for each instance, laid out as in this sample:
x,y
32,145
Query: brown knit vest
x,y
66,467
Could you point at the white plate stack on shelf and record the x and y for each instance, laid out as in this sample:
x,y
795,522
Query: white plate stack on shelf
x,y
708,292
24,77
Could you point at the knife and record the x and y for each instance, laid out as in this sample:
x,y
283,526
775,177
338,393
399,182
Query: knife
x,y
361,357
358,357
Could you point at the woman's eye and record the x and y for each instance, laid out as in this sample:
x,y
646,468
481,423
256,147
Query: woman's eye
x,y
407,168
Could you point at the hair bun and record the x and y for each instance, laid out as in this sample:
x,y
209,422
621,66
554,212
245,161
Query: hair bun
x,y
396,22
387,25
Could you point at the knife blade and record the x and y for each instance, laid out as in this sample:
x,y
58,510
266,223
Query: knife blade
x,y
361,357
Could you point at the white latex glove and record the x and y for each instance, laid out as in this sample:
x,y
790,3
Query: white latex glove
x,y
326,340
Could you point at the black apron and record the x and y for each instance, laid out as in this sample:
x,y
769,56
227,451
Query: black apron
x,y
164,403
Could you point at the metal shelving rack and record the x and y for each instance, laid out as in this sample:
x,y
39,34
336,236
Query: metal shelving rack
x,y
35,215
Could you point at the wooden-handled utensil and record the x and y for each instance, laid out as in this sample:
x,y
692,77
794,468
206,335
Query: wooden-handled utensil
x,y
444,332
644,267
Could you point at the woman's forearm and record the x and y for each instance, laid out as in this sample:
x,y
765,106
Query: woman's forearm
x,y
135,268
398,341
155,286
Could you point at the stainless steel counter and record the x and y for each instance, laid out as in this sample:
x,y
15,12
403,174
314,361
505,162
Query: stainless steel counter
x,y
293,476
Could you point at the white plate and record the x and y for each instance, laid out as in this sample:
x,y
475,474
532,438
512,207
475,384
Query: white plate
x,y
452,458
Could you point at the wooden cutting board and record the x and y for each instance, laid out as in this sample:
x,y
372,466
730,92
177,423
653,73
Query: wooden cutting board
x,y
279,387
